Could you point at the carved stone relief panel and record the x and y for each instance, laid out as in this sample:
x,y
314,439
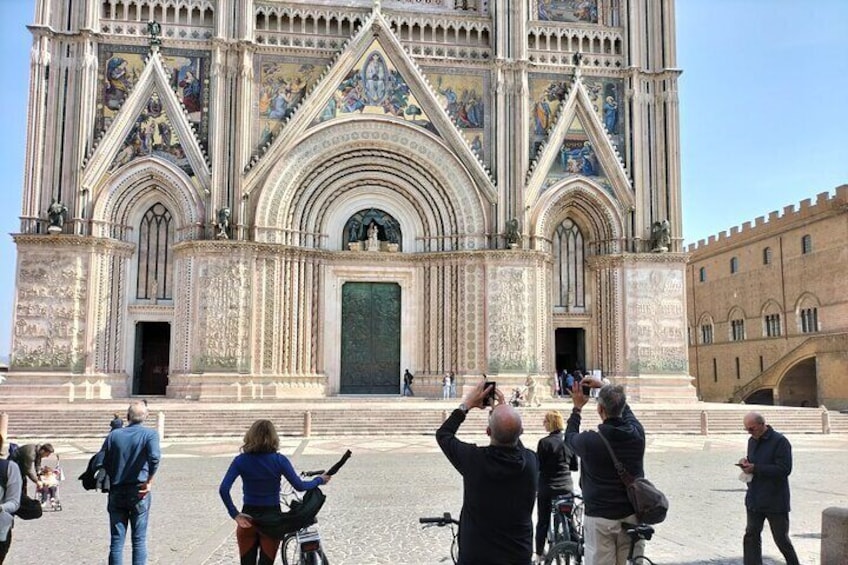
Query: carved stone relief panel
x,y
655,319
224,298
510,330
472,333
50,312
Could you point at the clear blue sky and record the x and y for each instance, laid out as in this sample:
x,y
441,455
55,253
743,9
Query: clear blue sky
x,y
763,112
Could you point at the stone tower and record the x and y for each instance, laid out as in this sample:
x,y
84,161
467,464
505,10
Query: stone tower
x,y
262,199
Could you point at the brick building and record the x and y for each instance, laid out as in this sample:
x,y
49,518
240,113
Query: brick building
x,y
767,309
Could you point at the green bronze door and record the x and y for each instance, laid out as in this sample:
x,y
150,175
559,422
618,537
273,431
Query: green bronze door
x,y
370,338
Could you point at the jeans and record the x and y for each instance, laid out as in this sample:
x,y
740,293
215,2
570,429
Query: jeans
x,y
125,507
752,543
5,545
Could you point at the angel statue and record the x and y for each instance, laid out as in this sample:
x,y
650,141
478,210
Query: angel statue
x,y
154,30
513,236
660,236
223,223
56,214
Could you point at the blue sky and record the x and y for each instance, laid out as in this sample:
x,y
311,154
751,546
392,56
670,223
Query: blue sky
x,y
763,112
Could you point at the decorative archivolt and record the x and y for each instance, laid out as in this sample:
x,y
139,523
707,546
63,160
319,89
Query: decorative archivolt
x,y
588,205
806,300
771,306
138,185
736,313
409,171
705,319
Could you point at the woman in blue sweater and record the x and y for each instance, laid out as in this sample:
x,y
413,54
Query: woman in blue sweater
x,y
260,468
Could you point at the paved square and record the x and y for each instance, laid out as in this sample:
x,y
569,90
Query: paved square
x,y
373,505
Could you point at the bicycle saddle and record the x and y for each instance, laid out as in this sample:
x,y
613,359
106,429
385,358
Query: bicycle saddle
x,y
638,531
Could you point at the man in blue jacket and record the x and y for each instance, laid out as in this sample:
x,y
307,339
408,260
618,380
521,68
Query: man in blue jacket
x,y
769,462
499,484
130,457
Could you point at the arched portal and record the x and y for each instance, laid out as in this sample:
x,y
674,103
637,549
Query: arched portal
x,y
798,387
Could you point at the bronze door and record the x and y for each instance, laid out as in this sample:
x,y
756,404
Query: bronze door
x,y
370,338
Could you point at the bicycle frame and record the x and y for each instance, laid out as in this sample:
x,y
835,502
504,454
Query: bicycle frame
x,y
442,521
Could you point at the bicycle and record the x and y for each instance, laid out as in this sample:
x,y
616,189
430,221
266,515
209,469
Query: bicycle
x,y
637,532
565,533
442,521
303,547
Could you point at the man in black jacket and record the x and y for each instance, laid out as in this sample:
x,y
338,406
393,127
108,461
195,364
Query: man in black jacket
x,y
28,457
769,462
604,494
499,485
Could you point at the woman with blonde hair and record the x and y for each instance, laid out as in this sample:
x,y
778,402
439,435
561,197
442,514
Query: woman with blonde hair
x,y
260,467
556,461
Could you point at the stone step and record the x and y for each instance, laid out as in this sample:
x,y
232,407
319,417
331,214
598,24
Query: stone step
x,y
385,418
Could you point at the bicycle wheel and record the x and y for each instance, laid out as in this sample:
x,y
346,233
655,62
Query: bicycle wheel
x,y
455,550
290,550
564,553
641,560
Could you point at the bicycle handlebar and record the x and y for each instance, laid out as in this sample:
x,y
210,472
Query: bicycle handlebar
x,y
440,521
335,468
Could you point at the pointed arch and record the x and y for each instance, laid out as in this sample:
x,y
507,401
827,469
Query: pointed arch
x,y
735,313
132,189
405,171
589,206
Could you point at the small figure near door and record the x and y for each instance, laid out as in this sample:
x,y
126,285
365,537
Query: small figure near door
x,y
407,383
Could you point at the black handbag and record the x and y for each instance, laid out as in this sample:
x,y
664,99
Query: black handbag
x,y
30,509
649,503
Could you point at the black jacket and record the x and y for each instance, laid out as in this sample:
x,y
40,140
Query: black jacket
x,y
556,461
604,495
499,483
768,491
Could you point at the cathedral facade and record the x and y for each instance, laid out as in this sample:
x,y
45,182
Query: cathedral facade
x,y
259,199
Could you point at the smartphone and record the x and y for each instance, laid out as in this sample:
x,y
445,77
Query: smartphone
x,y
490,399
587,390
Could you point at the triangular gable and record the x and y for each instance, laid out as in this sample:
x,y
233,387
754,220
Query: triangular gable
x,y
375,86
578,145
375,37
151,122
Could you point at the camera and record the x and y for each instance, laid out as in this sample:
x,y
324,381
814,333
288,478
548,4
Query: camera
x,y
490,398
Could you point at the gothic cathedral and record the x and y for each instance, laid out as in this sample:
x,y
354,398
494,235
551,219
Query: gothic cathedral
x,y
264,199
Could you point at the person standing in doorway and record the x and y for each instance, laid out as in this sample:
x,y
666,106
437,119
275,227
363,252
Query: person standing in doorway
x,y
131,458
446,386
769,463
407,383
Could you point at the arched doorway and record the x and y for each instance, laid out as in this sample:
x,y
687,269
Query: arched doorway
x,y
763,397
798,387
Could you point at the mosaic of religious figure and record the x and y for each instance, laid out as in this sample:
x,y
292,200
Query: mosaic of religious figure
x,y
282,86
188,77
463,96
375,86
568,10
606,96
577,157
153,134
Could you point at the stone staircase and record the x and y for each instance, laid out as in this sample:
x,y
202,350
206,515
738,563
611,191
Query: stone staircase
x,y
378,418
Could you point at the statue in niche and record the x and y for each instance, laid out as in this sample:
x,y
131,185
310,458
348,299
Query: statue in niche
x,y
223,223
513,235
56,214
353,232
373,242
154,30
660,236
577,58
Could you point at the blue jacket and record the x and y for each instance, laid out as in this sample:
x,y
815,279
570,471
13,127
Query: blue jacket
x,y
131,455
768,491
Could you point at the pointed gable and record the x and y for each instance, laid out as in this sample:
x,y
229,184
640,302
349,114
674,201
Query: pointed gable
x,y
399,94
578,145
151,122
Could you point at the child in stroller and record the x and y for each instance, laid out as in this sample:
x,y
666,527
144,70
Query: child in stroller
x,y
50,478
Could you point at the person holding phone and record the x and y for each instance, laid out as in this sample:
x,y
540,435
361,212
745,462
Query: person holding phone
x,y
499,482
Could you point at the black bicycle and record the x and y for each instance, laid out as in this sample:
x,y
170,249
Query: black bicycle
x,y
304,547
637,533
565,533
442,521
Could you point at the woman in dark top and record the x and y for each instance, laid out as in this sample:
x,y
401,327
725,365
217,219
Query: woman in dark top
x,y
556,461
260,468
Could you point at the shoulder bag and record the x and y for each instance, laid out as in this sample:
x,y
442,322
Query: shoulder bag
x,y
649,503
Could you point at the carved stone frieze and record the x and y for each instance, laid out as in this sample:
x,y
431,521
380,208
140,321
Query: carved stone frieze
x,y
509,327
224,299
50,311
655,320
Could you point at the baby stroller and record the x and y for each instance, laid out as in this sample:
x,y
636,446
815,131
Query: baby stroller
x,y
50,478
518,398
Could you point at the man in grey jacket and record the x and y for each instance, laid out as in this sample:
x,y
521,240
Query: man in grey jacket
x,y
10,500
